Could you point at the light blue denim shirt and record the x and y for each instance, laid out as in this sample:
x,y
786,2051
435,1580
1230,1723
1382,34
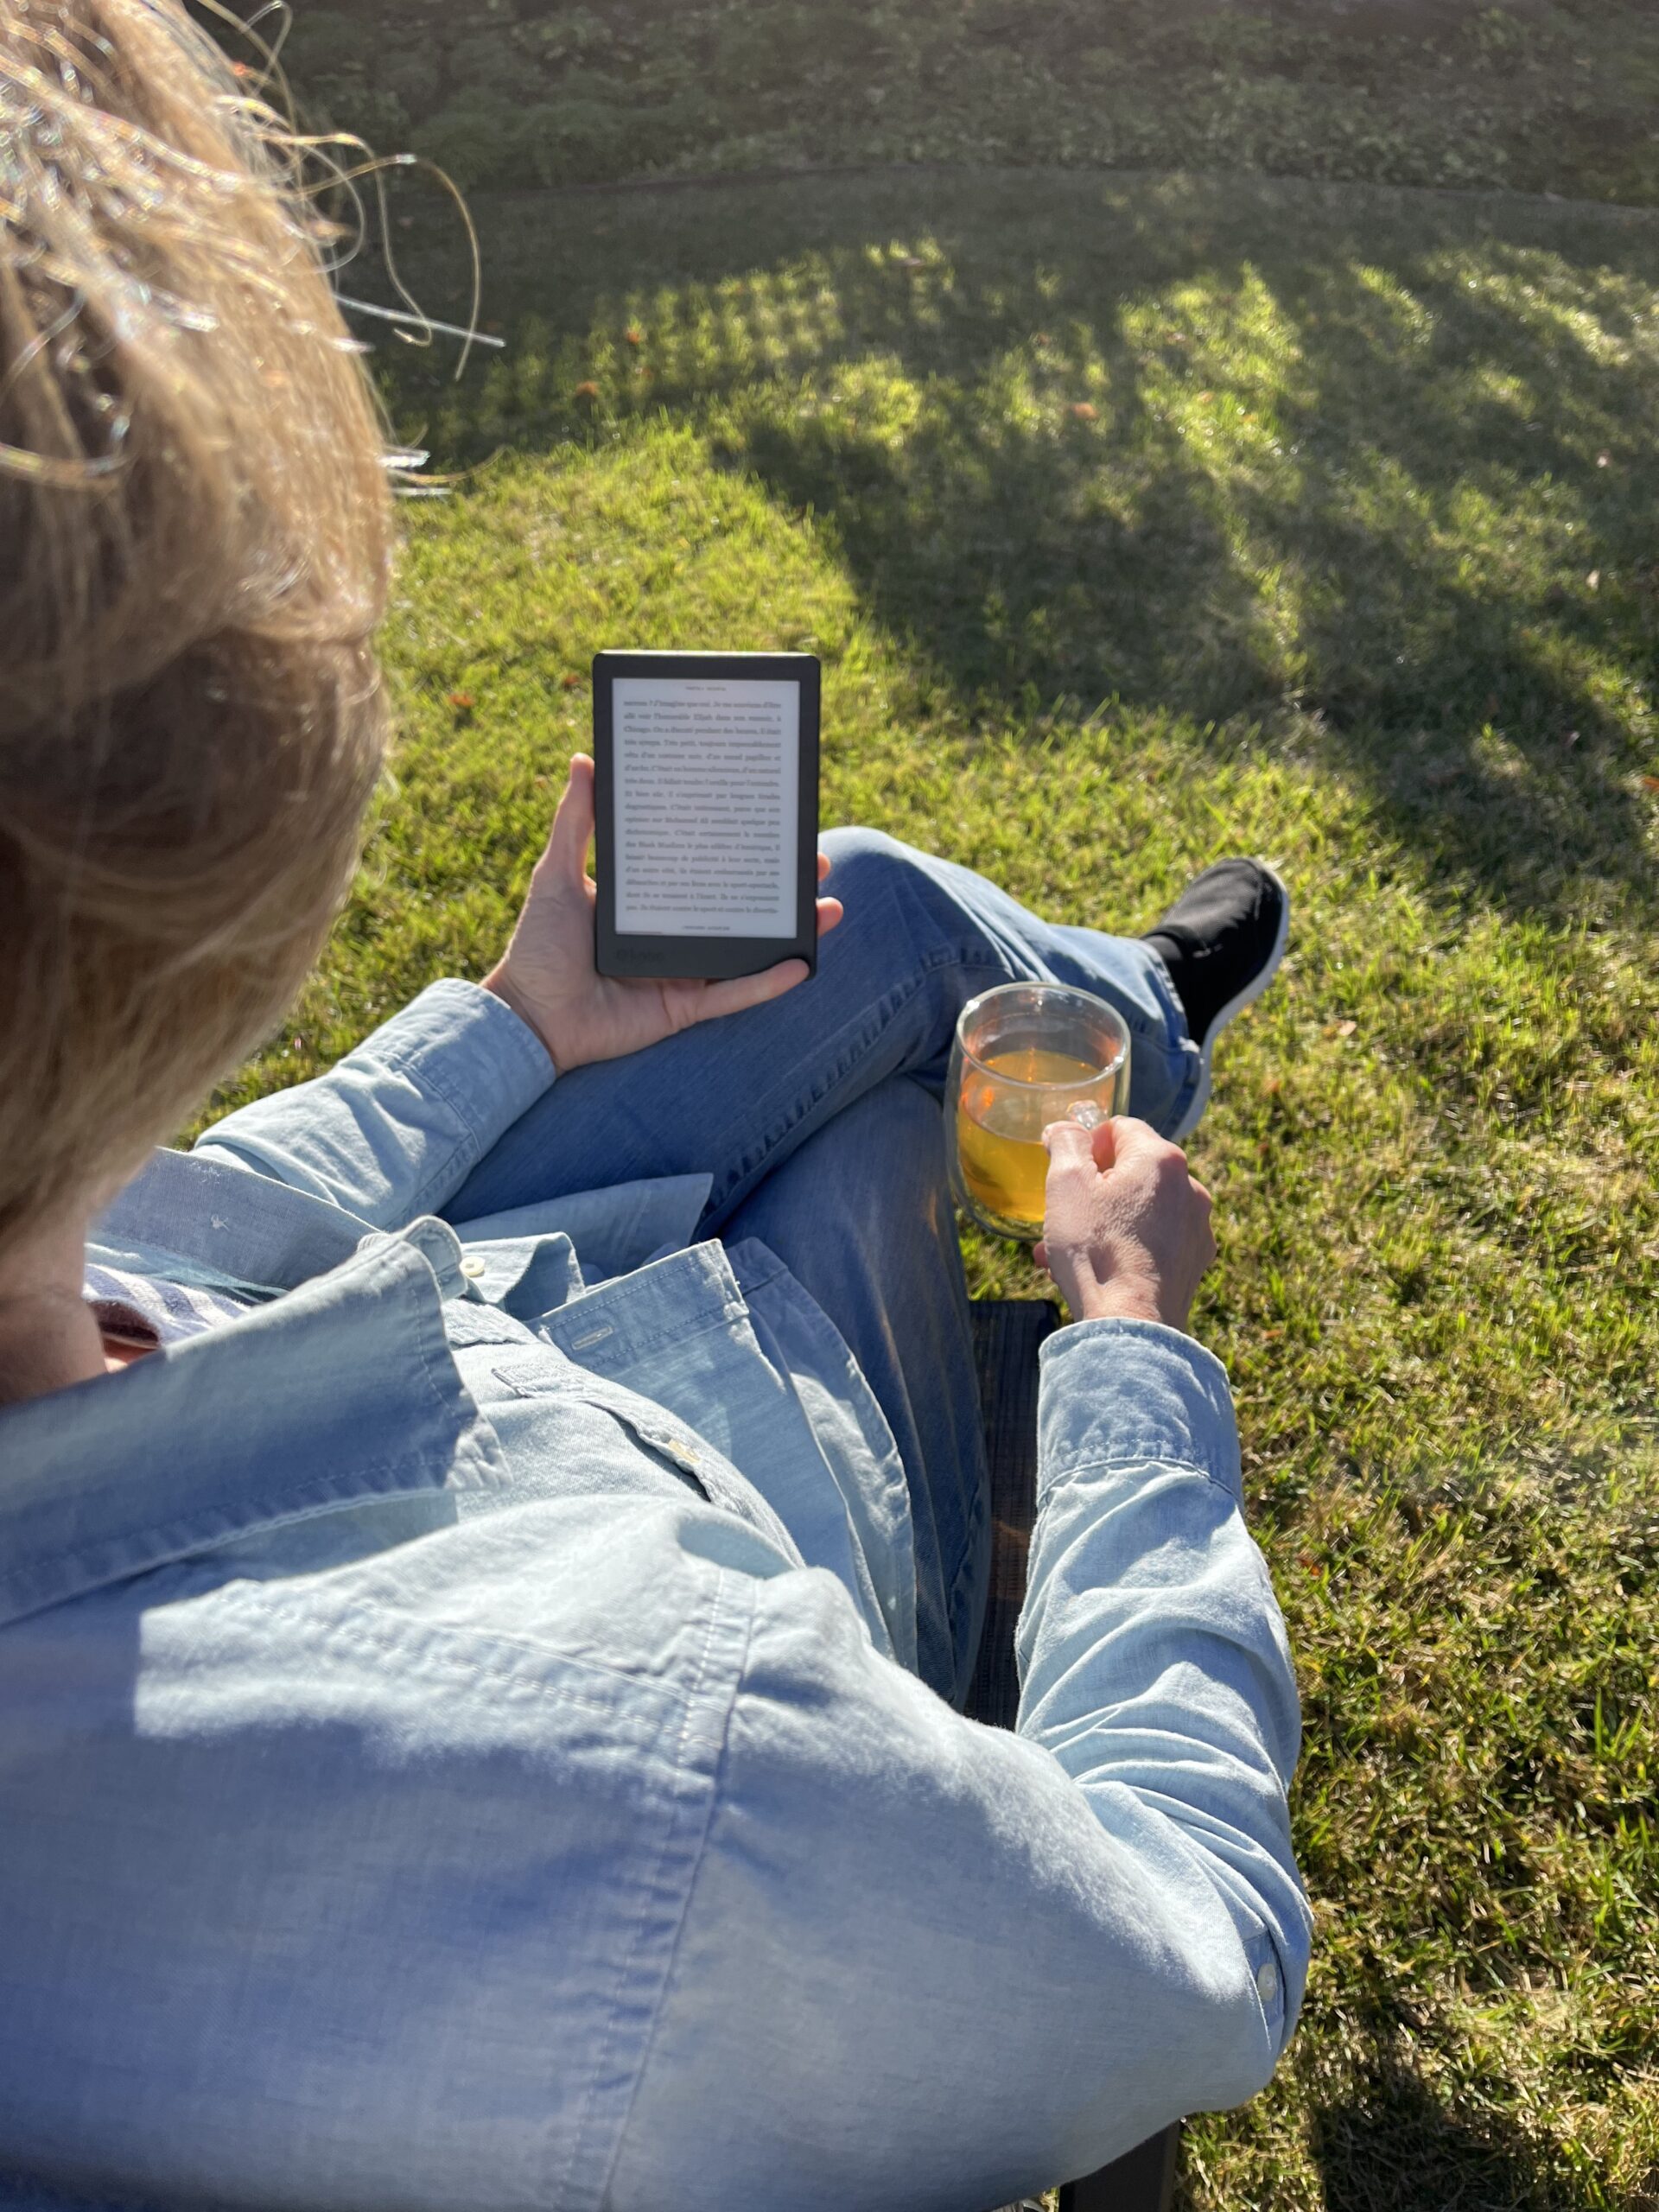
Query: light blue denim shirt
x,y
456,1745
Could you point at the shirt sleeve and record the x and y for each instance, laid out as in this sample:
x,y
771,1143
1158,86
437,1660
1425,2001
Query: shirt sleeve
x,y
396,1126
955,1964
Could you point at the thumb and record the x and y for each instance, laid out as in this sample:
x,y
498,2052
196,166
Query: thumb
x,y
573,824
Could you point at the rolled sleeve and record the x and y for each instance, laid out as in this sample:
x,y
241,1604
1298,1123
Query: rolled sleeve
x,y
396,1126
1126,1393
1154,1664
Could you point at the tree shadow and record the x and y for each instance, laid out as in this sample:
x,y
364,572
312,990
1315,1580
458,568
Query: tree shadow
x,y
1360,469
1391,2147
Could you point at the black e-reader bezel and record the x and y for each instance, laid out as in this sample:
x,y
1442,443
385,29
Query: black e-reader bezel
x,y
710,959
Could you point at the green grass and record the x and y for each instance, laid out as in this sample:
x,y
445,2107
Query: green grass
x,y
1349,558
1533,95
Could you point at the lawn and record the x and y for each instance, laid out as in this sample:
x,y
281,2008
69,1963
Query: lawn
x,y
1138,521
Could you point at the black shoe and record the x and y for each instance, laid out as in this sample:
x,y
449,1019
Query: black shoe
x,y
1221,942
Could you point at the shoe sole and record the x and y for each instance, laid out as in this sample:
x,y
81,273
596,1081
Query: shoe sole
x,y
1251,992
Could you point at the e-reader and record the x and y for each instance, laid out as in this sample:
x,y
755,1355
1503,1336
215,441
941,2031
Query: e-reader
x,y
706,812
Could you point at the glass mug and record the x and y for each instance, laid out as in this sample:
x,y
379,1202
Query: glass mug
x,y
1024,1055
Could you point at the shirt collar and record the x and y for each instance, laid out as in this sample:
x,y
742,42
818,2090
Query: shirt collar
x,y
198,1220
343,1390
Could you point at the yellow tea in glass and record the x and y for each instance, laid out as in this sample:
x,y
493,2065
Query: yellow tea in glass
x,y
1024,1055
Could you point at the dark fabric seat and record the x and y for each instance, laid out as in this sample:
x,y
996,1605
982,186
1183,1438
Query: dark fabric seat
x,y
1008,1333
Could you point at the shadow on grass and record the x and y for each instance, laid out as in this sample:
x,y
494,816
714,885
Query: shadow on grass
x,y
1369,469
1391,2147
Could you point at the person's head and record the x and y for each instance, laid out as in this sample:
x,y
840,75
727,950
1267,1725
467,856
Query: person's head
x,y
195,541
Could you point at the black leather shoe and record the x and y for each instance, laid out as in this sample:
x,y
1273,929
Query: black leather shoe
x,y
1221,942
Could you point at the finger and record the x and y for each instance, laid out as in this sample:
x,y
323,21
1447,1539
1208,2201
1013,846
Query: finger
x,y
1069,1145
1103,1145
573,824
1140,1143
1039,1254
744,991
829,913
1130,1136
824,866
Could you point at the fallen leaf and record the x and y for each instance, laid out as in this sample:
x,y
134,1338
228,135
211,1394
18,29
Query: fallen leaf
x,y
634,335
1085,412
462,702
1341,1028
1204,398
570,681
587,392
1650,782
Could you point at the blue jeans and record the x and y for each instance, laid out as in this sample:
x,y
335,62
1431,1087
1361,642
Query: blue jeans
x,y
818,1117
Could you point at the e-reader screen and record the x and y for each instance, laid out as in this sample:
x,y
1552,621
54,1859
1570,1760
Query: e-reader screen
x,y
707,805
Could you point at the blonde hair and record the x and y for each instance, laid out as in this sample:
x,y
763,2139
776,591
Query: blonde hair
x,y
195,546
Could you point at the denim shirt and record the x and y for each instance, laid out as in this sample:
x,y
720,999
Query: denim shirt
x,y
456,1745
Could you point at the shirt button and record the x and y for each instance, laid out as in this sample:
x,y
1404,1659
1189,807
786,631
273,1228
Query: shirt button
x,y
1266,1981
473,1267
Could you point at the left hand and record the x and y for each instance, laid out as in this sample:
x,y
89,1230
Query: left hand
x,y
547,974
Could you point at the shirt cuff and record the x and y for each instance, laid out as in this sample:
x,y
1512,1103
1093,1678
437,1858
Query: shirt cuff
x,y
1119,1391
469,1048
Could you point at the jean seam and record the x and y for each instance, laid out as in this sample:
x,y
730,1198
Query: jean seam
x,y
964,1576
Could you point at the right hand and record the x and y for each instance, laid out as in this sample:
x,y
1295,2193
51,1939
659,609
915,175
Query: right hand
x,y
1126,1230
